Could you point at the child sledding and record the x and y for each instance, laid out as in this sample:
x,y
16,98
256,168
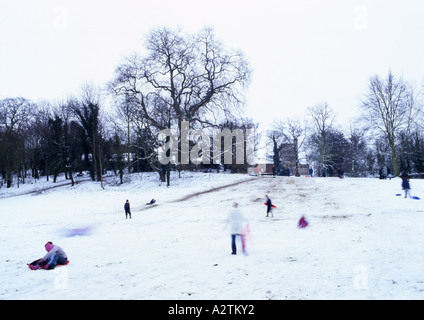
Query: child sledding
x,y
55,256
153,201
269,206
303,223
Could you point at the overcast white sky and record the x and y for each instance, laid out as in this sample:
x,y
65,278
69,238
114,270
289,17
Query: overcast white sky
x,y
302,52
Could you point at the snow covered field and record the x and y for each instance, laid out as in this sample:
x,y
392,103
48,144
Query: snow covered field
x,y
363,241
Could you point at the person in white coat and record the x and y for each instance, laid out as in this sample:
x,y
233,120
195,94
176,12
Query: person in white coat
x,y
235,220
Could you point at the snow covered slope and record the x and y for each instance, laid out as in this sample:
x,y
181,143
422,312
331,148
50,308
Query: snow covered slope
x,y
362,242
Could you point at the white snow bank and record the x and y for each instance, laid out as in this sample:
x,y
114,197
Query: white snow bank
x,y
363,241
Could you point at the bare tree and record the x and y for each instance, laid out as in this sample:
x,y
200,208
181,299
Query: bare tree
x,y
193,75
87,112
322,123
16,115
126,112
389,108
358,150
183,77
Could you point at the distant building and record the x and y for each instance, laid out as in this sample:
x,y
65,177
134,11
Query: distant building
x,y
288,160
260,169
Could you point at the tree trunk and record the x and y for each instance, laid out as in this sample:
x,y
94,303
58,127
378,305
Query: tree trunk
x,y
71,177
395,162
100,168
168,177
8,180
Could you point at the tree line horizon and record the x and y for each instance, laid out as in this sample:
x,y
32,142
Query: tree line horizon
x,y
196,79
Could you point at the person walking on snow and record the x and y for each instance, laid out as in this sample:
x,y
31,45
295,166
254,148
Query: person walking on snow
x,y
127,209
268,206
236,220
405,184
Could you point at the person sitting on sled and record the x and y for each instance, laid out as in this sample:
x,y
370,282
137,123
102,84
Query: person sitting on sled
x,y
151,202
55,255
302,223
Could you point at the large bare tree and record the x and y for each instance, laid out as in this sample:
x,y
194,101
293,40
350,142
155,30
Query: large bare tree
x,y
88,114
390,107
183,77
194,76
321,125
16,115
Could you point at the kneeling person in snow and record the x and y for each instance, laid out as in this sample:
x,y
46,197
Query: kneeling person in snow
x,y
236,219
55,255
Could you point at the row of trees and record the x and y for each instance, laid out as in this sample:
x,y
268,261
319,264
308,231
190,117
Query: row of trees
x,y
185,78
78,136
42,140
182,78
388,132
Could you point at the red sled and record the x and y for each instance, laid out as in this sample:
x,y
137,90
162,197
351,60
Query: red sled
x,y
35,265
271,205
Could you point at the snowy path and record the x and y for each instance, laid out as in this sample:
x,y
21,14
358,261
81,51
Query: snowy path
x,y
363,242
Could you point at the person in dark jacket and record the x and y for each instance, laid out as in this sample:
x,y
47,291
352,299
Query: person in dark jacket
x,y
268,206
405,184
127,209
